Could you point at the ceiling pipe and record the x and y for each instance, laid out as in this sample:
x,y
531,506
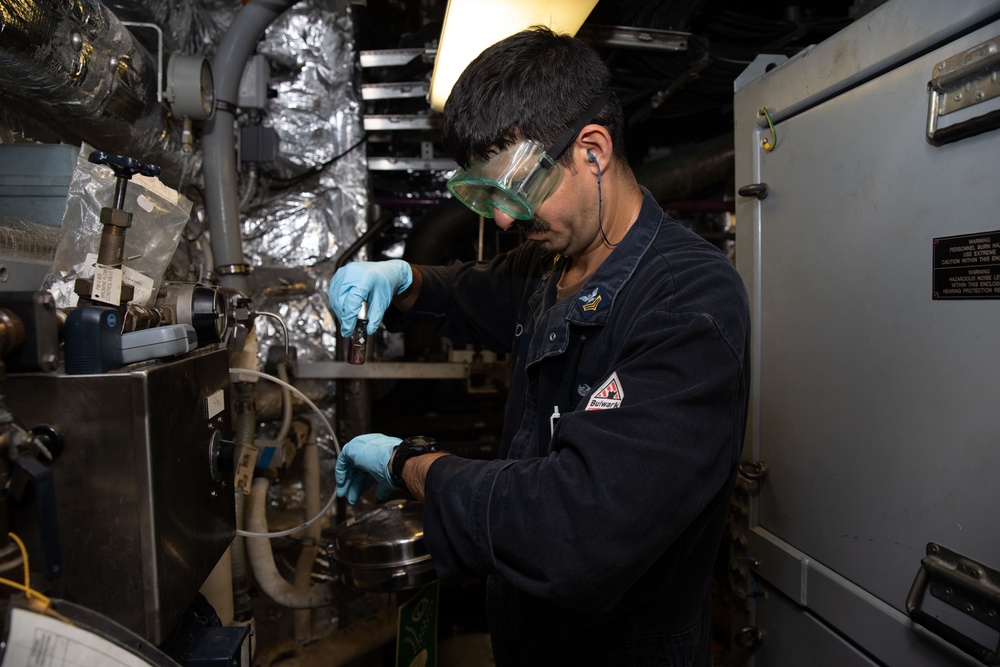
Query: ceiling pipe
x,y
222,199
690,170
75,69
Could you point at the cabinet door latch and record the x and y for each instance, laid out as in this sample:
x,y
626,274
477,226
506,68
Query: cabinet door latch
x,y
966,585
962,81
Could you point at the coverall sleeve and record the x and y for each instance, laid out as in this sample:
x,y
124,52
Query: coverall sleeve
x,y
473,302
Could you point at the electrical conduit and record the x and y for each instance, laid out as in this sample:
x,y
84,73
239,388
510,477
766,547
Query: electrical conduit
x,y
222,198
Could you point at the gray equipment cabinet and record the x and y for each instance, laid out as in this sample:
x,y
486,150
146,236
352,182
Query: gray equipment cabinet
x,y
868,530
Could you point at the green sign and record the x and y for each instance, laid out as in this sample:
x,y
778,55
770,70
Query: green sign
x,y
416,638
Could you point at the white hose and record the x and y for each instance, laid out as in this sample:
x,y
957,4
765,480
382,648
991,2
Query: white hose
x,y
336,445
262,560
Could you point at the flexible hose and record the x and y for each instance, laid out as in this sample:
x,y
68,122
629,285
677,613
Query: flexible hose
x,y
262,560
336,445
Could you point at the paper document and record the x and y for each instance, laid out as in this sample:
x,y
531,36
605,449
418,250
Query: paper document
x,y
36,640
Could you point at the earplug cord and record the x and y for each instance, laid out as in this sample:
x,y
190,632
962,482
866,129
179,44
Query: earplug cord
x,y
600,202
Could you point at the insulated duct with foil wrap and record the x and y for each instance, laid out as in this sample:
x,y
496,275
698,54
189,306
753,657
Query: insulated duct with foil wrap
x,y
189,26
293,235
75,68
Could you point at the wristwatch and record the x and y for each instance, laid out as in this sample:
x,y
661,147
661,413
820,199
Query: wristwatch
x,y
406,450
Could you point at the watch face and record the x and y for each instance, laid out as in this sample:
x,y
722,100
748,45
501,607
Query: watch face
x,y
421,440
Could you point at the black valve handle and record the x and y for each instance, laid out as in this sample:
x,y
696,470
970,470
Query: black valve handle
x,y
125,168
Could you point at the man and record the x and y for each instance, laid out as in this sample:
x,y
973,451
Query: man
x,y
598,526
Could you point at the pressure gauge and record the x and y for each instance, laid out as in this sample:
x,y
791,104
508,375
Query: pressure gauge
x,y
190,91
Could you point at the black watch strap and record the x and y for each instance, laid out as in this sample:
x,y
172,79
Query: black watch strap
x,y
413,446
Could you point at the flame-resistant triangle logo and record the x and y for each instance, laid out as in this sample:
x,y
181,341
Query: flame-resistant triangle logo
x,y
608,395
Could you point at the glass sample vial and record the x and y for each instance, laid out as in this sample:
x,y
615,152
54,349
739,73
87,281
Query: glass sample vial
x,y
357,346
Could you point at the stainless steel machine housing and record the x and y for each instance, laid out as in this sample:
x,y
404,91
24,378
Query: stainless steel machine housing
x,y
141,521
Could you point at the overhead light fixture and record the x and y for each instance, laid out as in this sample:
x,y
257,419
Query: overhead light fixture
x,y
470,26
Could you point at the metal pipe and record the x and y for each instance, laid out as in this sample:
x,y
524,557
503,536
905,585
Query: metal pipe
x,y
313,534
689,171
222,198
78,71
246,428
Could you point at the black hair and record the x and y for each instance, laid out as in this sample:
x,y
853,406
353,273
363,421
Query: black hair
x,y
531,85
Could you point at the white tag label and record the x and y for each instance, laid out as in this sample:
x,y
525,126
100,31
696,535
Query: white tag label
x,y
107,285
244,469
142,283
215,403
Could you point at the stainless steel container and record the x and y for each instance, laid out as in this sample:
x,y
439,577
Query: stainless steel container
x,y
383,549
141,522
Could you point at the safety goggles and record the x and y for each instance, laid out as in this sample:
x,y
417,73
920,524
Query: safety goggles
x,y
519,178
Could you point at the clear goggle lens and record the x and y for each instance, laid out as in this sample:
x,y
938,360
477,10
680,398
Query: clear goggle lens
x,y
515,181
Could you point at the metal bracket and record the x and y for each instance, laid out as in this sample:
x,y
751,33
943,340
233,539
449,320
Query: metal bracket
x,y
962,81
394,57
639,39
966,585
159,53
400,122
394,90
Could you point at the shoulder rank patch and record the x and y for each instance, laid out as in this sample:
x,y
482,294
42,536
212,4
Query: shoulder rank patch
x,y
608,395
590,302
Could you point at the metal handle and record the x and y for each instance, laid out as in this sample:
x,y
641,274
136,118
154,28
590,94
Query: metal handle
x,y
966,585
958,131
753,470
959,82
755,190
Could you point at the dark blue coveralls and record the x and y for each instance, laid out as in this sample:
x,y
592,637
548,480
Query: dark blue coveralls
x,y
599,524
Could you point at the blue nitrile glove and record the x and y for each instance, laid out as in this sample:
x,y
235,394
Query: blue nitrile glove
x,y
364,460
374,282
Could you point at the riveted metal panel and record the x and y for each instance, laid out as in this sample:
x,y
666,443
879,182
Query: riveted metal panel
x,y
873,403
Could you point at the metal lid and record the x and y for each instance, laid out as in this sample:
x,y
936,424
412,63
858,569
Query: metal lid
x,y
389,535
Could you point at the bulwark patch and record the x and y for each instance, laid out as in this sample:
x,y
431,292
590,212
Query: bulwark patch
x,y
608,395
